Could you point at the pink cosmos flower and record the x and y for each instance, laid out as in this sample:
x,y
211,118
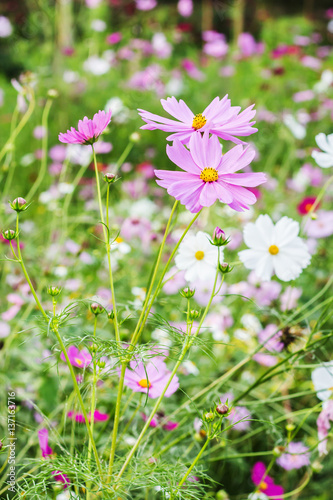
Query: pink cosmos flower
x,y
219,118
324,423
208,175
158,417
295,456
265,359
80,359
79,417
185,7
151,378
266,483
61,478
239,415
145,4
271,340
290,297
43,437
306,204
88,130
322,226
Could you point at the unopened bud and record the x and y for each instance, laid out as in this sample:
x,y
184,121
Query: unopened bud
x,y
94,348
96,308
52,93
109,178
194,314
101,364
152,460
219,238
9,234
209,416
225,268
222,409
53,291
317,466
135,137
290,427
187,293
278,450
314,216
222,495
19,204
111,314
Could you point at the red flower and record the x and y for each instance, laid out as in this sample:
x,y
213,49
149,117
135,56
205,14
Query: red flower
x,y
306,204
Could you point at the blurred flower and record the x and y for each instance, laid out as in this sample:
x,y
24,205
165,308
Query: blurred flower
x,y
265,483
159,417
304,95
248,46
215,44
289,298
114,38
237,413
174,281
325,82
92,4
150,378
61,478
322,226
219,118
145,4
274,249
43,437
324,159
161,46
79,417
271,338
58,153
192,70
4,329
298,131
311,62
197,257
81,359
39,132
6,28
88,130
295,456
185,7
323,424
98,25
208,175
306,204
322,379
96,65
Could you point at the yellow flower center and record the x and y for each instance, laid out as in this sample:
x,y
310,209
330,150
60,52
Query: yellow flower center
x,y
119,239
209,174
308,207
273,249
78,361
263,486
199,255
198,121
144,383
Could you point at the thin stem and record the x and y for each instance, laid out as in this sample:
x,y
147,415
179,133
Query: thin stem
x,y
316,203
116,421
197,458
93,404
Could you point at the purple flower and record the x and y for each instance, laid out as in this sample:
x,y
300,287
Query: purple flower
x,y
61,478
324,424
248,46
158,418
43,437
219,118
270,340
88,130
266,483
295,456
151,378
209,175
80,359
239,415
322,226
185,7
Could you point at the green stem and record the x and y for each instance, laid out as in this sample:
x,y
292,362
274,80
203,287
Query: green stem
x,y
197,458
43,164
316,203
10,156
93,404
116,421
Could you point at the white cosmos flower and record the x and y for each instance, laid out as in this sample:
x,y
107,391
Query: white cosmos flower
x,y
298,130
198,257
274,249
322,379
324,159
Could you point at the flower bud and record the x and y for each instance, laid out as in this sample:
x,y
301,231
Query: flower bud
x,y
9,234
187,293
96,308
109,178
19,204
209,416
290,427
194,314
225,268
53,291
222,409
222,495
152,460
135,137
52,94
219,238
278,450
111,314
317,466
101,364
94,348
314,216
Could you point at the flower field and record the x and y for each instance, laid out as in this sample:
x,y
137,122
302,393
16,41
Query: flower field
x,y
166,250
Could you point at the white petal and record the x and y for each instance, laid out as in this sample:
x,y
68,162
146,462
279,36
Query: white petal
x,y
259,235
264,267
324,160
285,231
323,143
250,258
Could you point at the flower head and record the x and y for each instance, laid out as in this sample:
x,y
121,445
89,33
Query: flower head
x,y
209,175
324,158
88,130
306,205
43,437
274,248
322,379
266,483
80,359
321,226
197,257
324,423
150,378
296,456
218,118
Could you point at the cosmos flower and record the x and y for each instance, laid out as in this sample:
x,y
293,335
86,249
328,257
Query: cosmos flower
x,y
158,418
150,378
322,379
271,340
324,424
274,249
265,483
218,118
239,416
296,455
208,175
80,359
324,158
321,226
306,205
43,437
79,417
197,257
88,130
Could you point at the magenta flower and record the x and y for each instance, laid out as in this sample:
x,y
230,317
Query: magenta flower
x,y
43,437
80,359
151,378
209,175
266,483
296,456
88,130
158,418
61,478
79,417
219,118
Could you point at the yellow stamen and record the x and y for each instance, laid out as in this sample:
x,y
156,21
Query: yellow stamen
x,y
119,239
263,486
199,121
209,174
144,383
308,207
78,361
273,249
199,255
